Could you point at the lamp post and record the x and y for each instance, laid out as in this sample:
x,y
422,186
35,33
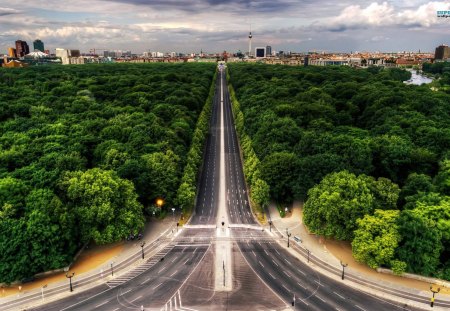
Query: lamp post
x,y
112,268
173,213
70,276
142,248
343,266
288,236
270,225
434,291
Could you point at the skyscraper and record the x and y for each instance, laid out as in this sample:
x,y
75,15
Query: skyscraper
x,y
12,52
442,52
22,48
38,45
268,50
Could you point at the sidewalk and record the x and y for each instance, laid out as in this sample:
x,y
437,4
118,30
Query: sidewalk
x,y
94,260
332,252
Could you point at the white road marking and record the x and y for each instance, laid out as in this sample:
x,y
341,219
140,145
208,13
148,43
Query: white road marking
x,y
157,286
136,298
261,264
360,308
320,298
103,303
126,292
339,295
287,274
275,263
272,276
173,273
302,272
301,285
162,269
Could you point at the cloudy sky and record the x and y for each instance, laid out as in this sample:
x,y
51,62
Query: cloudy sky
x,y
217,25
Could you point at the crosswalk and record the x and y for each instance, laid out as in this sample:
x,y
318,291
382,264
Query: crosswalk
x,y
141,268
175,303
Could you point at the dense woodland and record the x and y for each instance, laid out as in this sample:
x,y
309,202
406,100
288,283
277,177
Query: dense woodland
x,y
86,150
369,155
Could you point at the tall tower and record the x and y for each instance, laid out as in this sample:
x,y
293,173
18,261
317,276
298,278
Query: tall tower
x,y
250,42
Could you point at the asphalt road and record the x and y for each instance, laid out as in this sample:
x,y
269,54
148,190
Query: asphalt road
x,y
237,198
152,289
208,191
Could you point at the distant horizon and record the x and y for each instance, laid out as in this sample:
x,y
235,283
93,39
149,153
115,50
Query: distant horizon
x,y
218,25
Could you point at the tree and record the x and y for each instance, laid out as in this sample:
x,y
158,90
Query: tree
x,y
443,178
376,238
106,206
279,171
420,245
385,193
12,194
334,205
260,192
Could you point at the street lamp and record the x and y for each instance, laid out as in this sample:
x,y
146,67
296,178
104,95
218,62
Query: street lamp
x,y
173,213
434,291
288,236
343,266
112,268
270,225
70,276
142,248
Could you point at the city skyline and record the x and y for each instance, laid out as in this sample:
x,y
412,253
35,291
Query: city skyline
x,y
217,25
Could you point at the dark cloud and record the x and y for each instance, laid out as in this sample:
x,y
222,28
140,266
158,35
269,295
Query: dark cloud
x,y
259,6
8,11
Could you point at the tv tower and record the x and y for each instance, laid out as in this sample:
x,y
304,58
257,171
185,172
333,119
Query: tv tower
x,y
250,42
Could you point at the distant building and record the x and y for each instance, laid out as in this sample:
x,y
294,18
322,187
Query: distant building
x,y
22,48
14,64
268,50
260,52
38,45
12,52
69,56
442,52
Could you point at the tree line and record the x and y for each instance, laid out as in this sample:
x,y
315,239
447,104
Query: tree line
x,y
369,155
86,150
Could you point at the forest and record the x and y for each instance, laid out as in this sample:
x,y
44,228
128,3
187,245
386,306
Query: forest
x,y
368,154
86,150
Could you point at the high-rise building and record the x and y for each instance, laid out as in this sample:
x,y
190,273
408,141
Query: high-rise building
x,y
442,52
38,45
12,52
22,48
260,52
268,50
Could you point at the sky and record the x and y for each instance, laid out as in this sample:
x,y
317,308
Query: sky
x,y
190,26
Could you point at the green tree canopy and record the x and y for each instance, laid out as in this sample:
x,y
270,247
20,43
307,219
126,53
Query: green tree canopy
x,y
106,206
